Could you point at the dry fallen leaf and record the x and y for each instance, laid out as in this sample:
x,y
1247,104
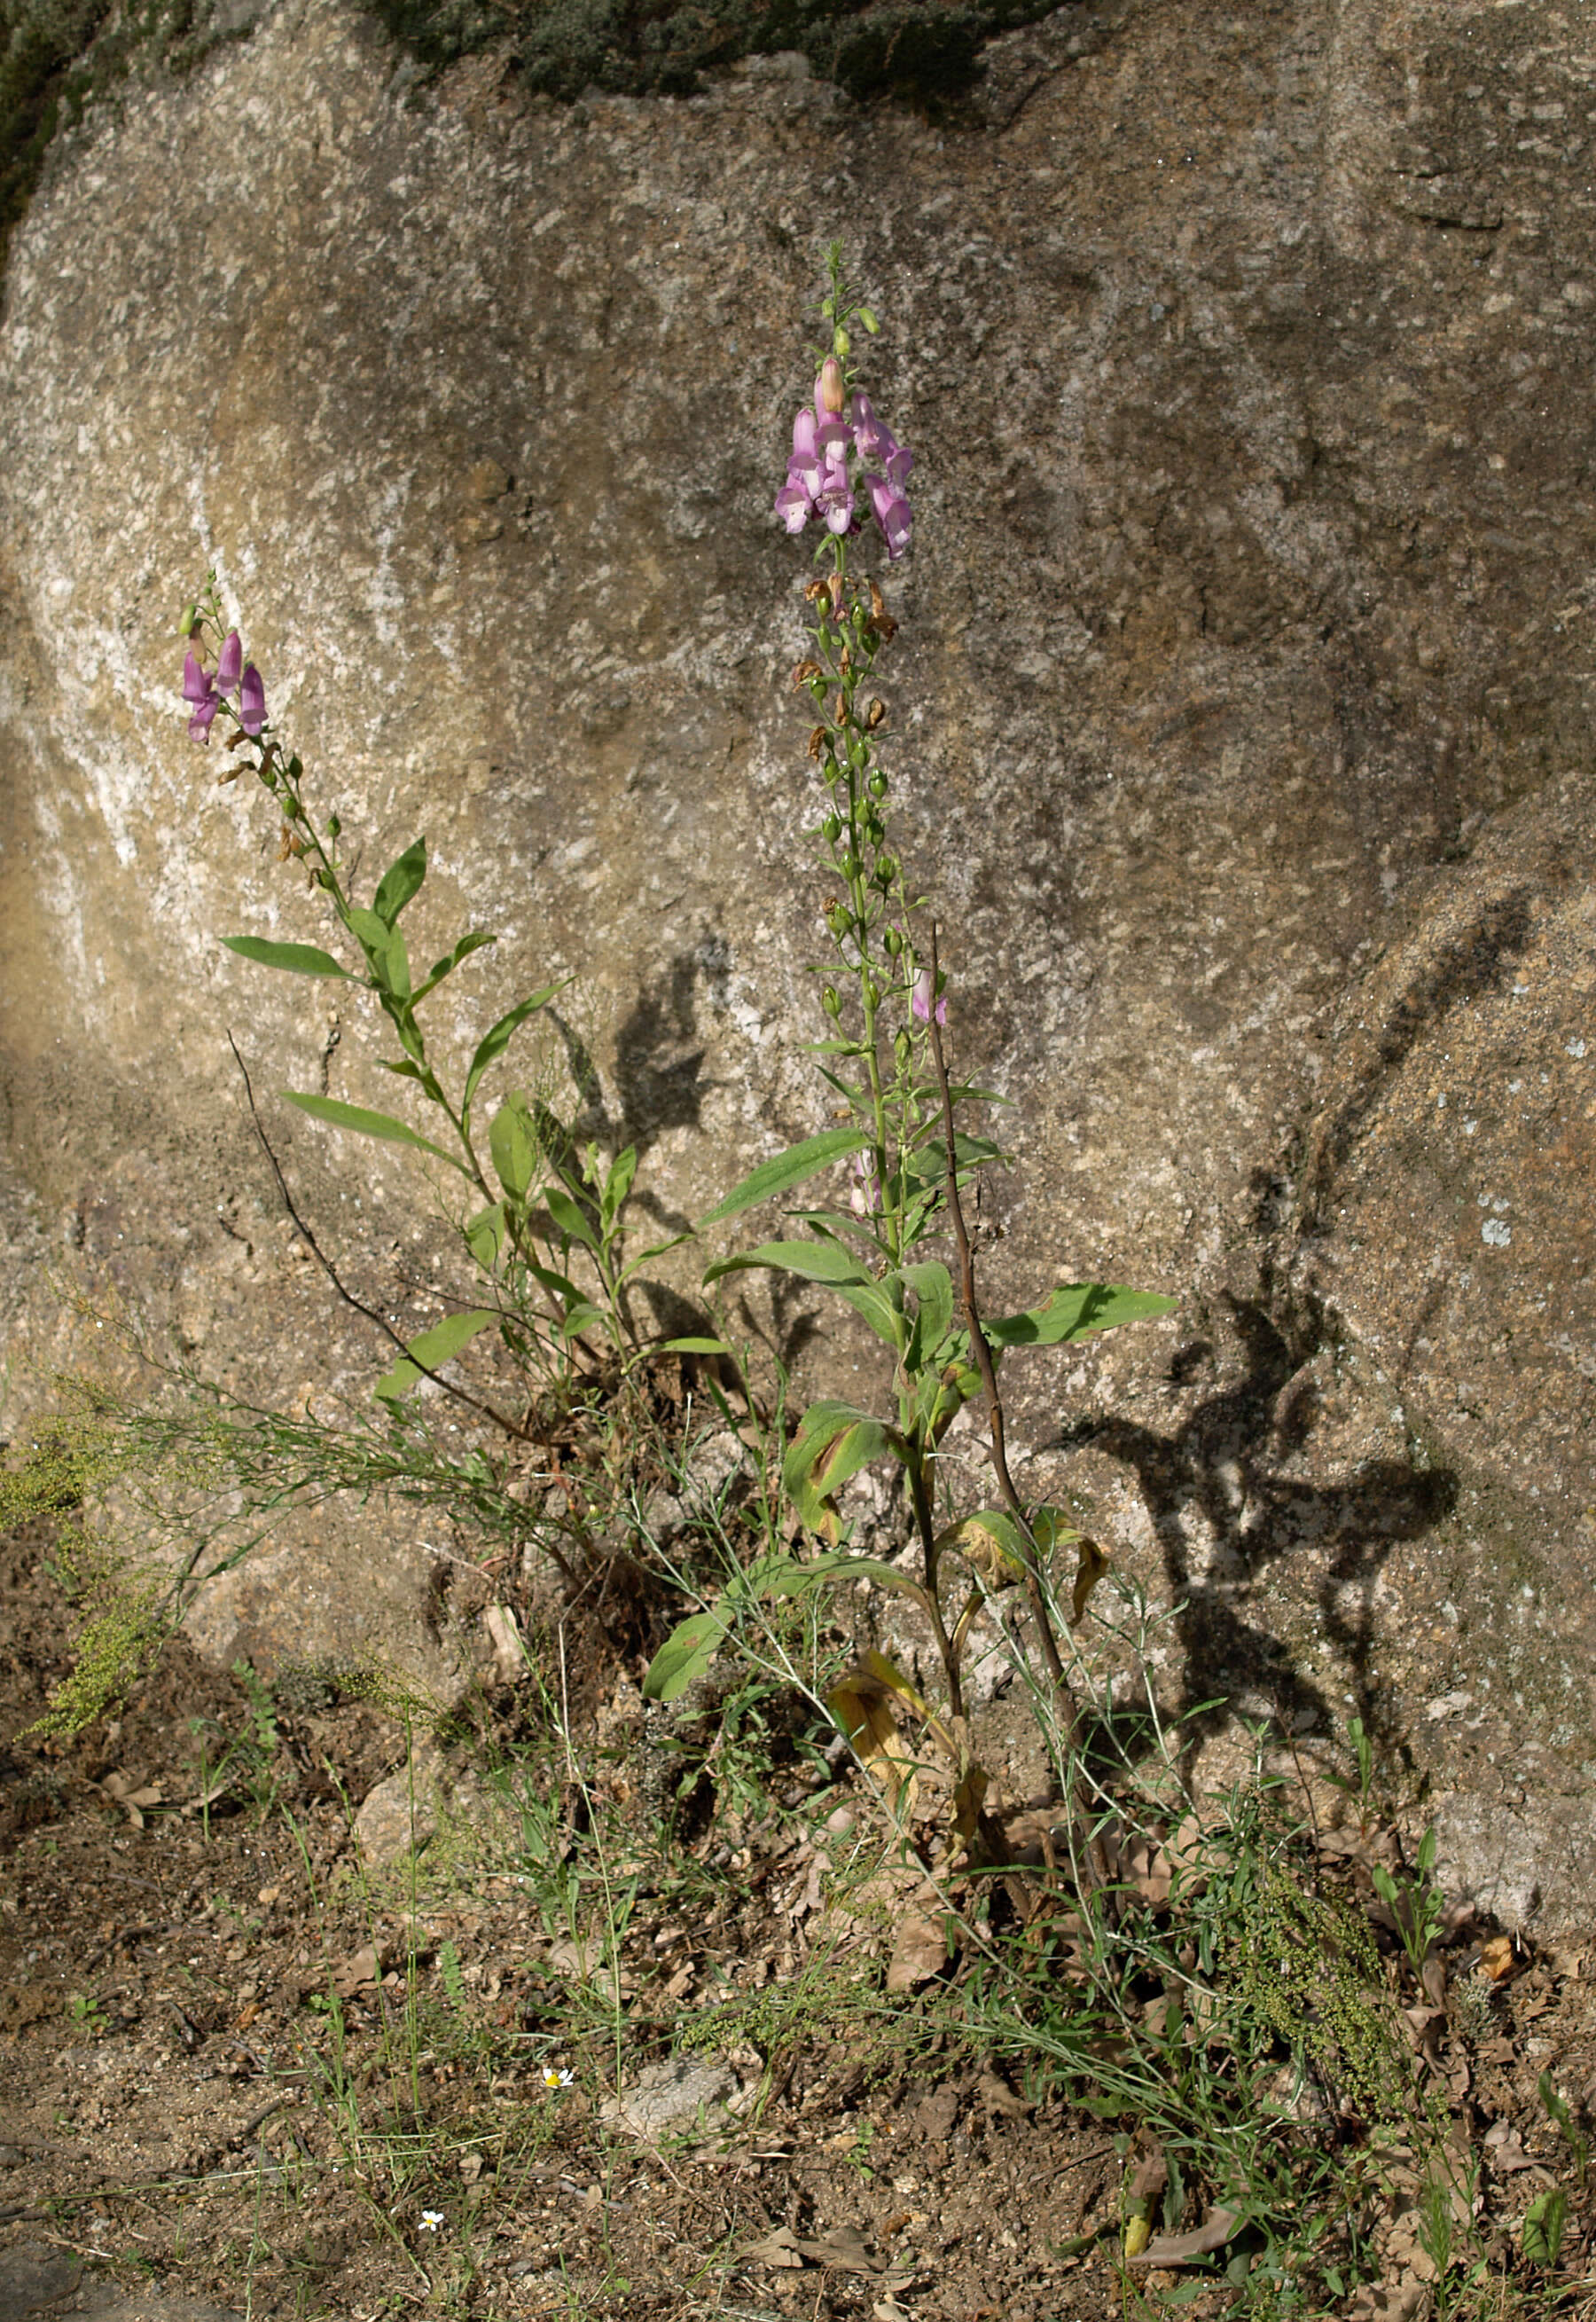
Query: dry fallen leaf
x,y
1496,1957
920,1950
1179,2249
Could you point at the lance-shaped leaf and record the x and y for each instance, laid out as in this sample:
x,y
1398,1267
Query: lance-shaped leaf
x,y
497,1036
793,1167
813,1261
834,1441
1091,1564
790,1575
485,1236
571,1220
933,1287
363,1123
451,960
399,882
1076,1310
513,1143
433,1349
686,1653
990,1542
298,959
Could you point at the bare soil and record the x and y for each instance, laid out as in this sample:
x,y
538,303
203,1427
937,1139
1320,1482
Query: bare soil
x,y
235,2068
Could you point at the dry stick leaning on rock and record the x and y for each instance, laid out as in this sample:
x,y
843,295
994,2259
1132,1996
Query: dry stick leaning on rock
x,y
1085,1848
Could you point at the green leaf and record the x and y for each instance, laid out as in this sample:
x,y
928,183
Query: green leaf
x,y
485,1236
790,1577
813,1261
514,1146
447,966
1543,2221
645,1256
1076,1310
434,1347
560,1284
686,1653
496,1038
885,1315
834,1441
382,1125
397,958
298,959
369,930
691,1346
793,1167
570,1218
618,1183
933,1286
399,882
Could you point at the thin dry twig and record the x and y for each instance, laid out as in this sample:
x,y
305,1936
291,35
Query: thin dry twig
x,y
1069,1707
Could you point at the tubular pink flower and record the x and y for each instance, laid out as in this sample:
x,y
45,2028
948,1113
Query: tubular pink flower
x,y
893,513
202,697
920,1002
230,662
864,1195
251,701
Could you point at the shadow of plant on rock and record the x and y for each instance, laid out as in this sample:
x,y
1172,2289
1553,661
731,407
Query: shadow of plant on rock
x,y
1213,1476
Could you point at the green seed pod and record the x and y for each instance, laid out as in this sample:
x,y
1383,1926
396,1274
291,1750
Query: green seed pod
x,y
893,939
903,1048
886,870
335,828
831,1002
850,865
833,828
877,785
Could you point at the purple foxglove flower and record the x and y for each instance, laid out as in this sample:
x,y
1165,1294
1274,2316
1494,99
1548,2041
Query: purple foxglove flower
x,y
251,701
231,662
802,434
795,503
920,1004
893,513
202,697
874,438
900,460
833,439
834,498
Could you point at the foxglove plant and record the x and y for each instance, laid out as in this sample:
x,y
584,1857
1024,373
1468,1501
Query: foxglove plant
x,y
886,1004
524,1240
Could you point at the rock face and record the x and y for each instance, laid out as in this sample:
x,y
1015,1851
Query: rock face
x,y
1242,700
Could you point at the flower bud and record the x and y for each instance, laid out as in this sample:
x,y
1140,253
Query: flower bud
x,y
886,870
850,865
831,1002
893,939
832,828
840,344
334,827
831,389
877,784
903,1048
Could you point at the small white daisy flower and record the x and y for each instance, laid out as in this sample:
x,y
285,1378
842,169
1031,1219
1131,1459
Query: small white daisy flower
x,y
431,2220
554,2079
